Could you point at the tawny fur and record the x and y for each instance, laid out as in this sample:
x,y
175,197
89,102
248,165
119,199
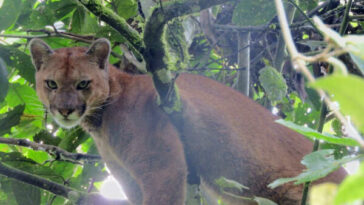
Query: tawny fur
x,y
223,134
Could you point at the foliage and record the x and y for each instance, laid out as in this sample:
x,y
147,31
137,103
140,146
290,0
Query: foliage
x,y
68,23
273,83
319,164
351,188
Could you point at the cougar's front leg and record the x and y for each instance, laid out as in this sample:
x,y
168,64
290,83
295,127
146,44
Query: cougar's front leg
x,y
160,170
166,187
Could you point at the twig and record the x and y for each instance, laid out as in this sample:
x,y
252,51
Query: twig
x,y
55,151
305,16
346,19
318,8
300,64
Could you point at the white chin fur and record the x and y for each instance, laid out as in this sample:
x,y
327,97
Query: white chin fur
x,y
72,121
67,123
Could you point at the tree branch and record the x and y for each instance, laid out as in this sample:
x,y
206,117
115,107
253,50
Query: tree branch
x,y
118,23
56,152
155,54
35,180
75,196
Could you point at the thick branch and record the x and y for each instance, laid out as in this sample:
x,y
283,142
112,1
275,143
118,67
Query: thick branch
x,y
55,151
155,55
110,17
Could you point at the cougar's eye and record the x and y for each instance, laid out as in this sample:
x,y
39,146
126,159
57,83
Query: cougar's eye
x,y
83,84
51,84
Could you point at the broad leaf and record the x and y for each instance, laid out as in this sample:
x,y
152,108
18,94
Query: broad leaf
x,y
78,18
9,13
126,8
18,161
273,83
350,102
19,60
25,193
10,119
313,134
319,164
4,84
351,189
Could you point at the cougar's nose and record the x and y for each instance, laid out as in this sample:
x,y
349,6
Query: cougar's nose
x,y
65,112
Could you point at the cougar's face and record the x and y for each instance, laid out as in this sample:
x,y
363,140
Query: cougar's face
x,y
71,82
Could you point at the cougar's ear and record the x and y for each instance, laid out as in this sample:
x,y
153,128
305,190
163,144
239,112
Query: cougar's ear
x,y
100,51
40,52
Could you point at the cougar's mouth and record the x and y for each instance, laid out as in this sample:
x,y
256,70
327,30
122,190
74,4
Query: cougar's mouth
x,y
67,123
68,118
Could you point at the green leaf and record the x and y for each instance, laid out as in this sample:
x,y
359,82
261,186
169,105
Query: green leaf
x,y
18,161
313,134
348,91
4,84
351,189
9,12
250,13
47,138
264,201
78,18
38,156
25,193
273,83
319,164
303,113
13,57
307,5
72,139
23,94
10,119
126,8
49,12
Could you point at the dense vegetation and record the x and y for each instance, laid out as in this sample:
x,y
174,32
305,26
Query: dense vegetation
x,y
237,42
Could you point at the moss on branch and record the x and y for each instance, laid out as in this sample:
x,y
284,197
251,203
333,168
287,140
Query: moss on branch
x,y
155,54
110,17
